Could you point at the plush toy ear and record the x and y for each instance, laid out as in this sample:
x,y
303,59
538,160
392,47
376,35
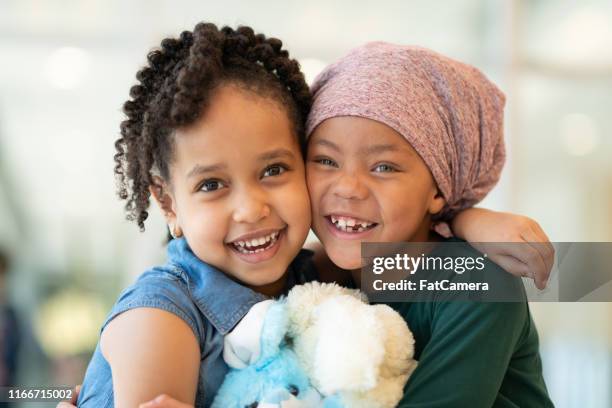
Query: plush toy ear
x,y
242,346
273,332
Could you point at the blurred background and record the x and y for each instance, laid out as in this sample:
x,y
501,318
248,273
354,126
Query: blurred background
x,y
66,68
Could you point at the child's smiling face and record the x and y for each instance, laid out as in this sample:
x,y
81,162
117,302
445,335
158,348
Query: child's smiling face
x,y
238,188
366,184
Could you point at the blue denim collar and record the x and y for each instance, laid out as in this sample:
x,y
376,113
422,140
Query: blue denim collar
x,y
221,300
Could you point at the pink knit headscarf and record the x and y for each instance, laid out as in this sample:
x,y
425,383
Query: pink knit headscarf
x,y
449,112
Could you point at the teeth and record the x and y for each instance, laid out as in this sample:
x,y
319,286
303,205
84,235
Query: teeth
x,y
245,246
350,224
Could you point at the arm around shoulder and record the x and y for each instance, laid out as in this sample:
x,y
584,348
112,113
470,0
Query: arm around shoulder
x,y
151,352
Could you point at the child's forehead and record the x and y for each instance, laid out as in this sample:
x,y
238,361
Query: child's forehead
x,y
233,148
364,135
240,97
237,129
236,112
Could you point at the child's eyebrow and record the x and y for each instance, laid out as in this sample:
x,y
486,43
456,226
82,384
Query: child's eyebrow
x,y
275,154
380,148
331,145
367,151
200,169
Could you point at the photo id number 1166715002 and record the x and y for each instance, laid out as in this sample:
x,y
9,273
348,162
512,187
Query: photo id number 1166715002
x,y
35,394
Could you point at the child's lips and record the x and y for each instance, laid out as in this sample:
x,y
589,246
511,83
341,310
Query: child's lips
x,y
255,235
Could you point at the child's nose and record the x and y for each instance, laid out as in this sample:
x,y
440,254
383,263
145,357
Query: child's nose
x,y
251,207
349,186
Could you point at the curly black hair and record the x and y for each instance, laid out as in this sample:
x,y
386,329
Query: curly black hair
x,y
174,90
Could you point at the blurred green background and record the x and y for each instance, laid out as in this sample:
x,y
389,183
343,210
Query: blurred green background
x,y
66,68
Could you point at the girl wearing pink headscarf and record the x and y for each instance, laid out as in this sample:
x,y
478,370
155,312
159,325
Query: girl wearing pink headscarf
x,y
400,137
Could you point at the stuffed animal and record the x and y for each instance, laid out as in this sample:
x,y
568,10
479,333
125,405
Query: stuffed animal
x,y
359,352
265,373
321,346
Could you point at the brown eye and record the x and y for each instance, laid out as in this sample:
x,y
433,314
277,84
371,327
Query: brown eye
x,y
274,170
212,185
325,161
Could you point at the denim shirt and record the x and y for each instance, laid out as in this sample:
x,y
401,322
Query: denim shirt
x,y
205,298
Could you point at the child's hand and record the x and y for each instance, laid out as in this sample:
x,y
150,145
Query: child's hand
x,y
479,226
161,401
164,401
73,400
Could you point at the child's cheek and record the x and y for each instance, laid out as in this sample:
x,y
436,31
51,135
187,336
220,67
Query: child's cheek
x,y
317,186
206,231
297,203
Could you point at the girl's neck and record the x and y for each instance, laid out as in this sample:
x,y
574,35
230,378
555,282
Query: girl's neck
x,y
273,289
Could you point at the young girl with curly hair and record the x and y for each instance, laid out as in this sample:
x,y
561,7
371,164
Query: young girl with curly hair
x,y
215,132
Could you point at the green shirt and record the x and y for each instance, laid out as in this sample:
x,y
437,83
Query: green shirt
x,y
474,354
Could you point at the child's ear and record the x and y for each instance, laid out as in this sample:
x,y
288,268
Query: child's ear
x,y
161,193
437,202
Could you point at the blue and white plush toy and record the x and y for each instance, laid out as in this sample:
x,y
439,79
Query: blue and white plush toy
x,y
323,346
274,378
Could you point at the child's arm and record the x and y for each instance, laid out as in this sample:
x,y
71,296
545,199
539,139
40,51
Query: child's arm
x,y
161,401
478,225
151,352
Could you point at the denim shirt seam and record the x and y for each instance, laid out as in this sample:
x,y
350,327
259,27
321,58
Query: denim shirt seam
x,y
209,315
110,401
212,317
178,272
223,325
238,314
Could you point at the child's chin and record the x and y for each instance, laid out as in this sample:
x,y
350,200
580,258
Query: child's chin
x,y
252,278
346,261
